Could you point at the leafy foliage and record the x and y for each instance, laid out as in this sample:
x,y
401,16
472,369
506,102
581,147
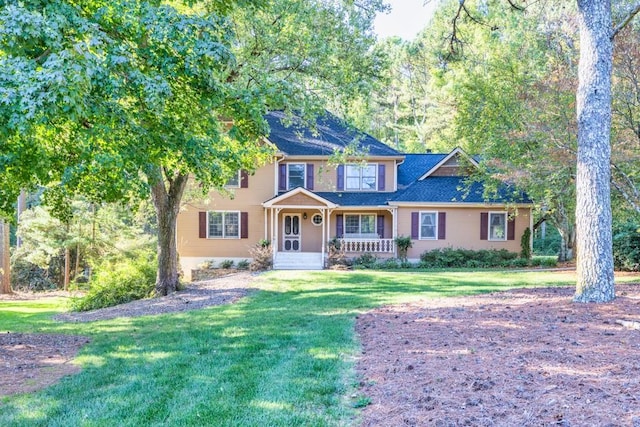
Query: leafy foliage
x,y
456,258
626,246
122,99
262,255
525,244
118,283
365,261
403,244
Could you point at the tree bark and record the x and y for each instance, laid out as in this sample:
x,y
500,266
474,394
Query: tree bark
x,y
166,193
5,259
593,202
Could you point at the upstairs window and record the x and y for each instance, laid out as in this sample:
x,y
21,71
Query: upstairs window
x,y
295,175
234,182
361,177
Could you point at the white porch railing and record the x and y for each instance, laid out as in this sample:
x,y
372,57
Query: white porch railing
x,y
368,245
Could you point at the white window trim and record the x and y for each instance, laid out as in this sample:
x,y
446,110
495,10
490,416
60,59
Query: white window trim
x,y
304,175
361,168
223,237
359,234
236,185
506,225
321,219
435,235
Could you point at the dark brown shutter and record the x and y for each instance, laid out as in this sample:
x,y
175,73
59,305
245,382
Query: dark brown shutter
x,y
415,225
484,225
511,229
380,227
339,226
244,225
442,225
340,180
244,179
202,226
282,178
309,176
381,177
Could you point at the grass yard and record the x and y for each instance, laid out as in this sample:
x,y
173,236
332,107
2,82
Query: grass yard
x,y
281,357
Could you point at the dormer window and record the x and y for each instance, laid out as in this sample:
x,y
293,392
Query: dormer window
x,y
361,177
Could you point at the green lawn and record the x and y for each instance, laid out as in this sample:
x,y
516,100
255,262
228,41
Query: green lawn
x,y
281,357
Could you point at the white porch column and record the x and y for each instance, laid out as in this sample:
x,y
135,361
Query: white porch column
x,y
266,225
394,219
324,234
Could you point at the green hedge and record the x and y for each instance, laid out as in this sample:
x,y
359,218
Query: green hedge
x,y
466,258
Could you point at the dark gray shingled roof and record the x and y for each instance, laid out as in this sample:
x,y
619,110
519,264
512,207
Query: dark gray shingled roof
x,y
357,198
416,165
444,189
332,134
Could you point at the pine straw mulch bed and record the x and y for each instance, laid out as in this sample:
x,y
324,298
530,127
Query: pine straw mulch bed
x,y
526,357
30,362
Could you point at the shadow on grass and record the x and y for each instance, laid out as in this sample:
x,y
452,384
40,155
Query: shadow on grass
x,y
276,358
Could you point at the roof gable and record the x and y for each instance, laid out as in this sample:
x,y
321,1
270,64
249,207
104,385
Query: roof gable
x,y
330,135
299,197
452,161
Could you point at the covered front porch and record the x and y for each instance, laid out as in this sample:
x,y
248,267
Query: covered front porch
x,y
301,225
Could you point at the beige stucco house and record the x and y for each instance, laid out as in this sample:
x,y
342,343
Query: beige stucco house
x,y
302,200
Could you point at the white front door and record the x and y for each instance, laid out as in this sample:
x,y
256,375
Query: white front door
x,y
291,233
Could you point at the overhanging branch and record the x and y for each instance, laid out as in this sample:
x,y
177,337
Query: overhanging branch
x,y
625,21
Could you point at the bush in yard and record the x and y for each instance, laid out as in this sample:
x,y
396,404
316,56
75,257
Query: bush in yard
x,y
26,276
117,283
525,245
520,262
262,256
337,258
226,264
389,264
403,243
626,247
365,261
544,261
243,264
457,258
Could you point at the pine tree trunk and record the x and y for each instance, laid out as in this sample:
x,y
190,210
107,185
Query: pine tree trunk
x,y
5,259
167,194
593,203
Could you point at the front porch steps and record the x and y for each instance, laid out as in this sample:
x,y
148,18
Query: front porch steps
x,y
298,261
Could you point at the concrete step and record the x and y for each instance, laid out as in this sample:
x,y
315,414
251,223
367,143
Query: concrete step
x,y
298,261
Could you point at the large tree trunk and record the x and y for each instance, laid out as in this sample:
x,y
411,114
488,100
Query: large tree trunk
x,y
5,259
167,193
593,202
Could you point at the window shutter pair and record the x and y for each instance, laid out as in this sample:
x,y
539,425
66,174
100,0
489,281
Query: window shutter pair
x,y
282,177
442,225
244,225
484,227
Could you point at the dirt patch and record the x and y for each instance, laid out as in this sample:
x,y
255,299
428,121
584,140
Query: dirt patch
x,y
34,361
30,362
526,357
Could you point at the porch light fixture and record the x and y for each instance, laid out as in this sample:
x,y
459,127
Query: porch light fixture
x,y
304,215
